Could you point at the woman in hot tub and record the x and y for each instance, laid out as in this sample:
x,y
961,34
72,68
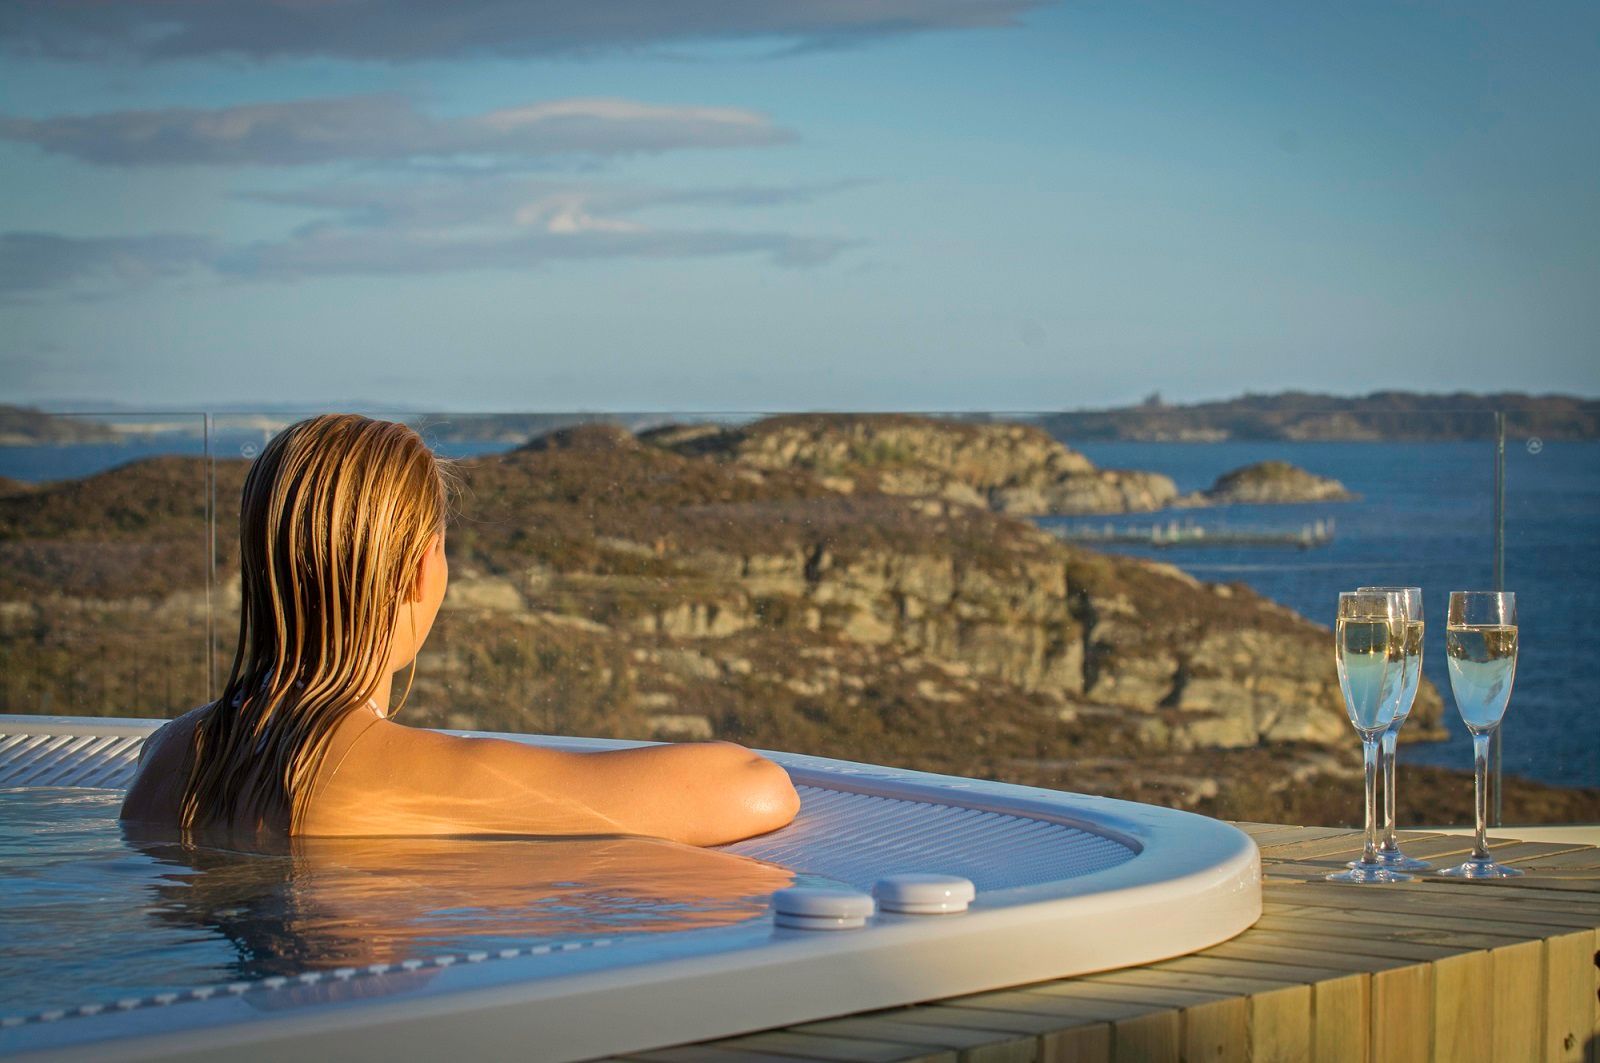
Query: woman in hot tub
x,y
341,535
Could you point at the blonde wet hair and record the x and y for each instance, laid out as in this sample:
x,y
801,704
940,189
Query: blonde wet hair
x,y
336,516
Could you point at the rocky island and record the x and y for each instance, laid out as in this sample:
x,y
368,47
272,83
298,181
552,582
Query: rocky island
x,y
1268,483
694,583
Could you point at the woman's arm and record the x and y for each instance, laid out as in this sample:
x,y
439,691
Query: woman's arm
x,y
402,780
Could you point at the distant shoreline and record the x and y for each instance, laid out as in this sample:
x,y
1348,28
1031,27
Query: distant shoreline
x,y
1387,416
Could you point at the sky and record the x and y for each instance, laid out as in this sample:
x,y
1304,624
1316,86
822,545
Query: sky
x,y
844,204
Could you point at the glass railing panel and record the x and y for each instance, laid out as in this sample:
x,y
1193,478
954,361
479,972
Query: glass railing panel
x,y
105,564
1551,733
968,593
965,594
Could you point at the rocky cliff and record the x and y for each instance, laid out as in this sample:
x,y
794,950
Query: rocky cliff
x,y
771,576
1011,468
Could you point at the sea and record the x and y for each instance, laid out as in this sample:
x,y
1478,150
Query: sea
x,y
1424,517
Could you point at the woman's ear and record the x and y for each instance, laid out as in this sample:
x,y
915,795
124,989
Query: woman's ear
x,y
419,578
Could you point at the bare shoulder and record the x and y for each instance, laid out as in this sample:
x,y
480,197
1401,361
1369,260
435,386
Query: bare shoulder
x,y
157,785
172,738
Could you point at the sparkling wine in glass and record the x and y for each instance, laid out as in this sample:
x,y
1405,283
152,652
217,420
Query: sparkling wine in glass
x,y
1369,651
1480,645
1389,853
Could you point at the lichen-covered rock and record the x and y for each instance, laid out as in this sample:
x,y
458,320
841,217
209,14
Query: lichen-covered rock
x,y
1011,468
1268,483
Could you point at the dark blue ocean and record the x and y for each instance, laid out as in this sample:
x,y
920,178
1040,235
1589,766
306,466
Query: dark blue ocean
x,y
1425,518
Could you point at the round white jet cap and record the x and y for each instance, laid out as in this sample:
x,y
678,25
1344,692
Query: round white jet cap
x,y
814,908
920,894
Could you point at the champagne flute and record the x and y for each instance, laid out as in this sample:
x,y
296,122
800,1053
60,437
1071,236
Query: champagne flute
x,y
1369,645
1389,853
1480,645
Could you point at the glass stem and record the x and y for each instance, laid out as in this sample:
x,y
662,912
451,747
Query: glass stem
x,y
1389,739
1369,754
1480,804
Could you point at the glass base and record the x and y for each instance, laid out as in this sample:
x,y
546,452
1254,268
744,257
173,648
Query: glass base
x,y
1368,874
1398,861
1480,869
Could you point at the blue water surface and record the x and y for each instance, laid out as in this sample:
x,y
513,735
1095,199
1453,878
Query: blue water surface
x,y
91,916
1426,518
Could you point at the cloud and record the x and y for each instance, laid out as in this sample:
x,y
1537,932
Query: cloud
x,y
410,30
420,229
436,227
346,252
502,202
32,263
386,128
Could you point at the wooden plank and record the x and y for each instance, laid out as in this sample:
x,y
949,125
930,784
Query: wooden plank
x,y
1519,995
1020,1050
1444,923
1352,945
872,1028
1569,978
1594,999
1517,851
1044,1033
1080,1044
1340,1010
1280,1024
1212,983
1203,962
1083,989
1335,848
707,1053
1463,1008
1215,1030
1067,1012
1339,999
1278,1019
1334,964
1008,1022
1341,1019
1208,1023
1349,845
1564,847
1462,934
1521,907
1585,858
1267,839
837,1049
1402,1014
1577,887
1157,1036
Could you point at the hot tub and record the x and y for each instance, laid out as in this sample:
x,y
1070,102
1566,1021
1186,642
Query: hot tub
x,y
1063,883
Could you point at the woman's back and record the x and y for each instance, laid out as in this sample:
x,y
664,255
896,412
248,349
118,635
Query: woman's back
x,y
155,797
383,778
342,571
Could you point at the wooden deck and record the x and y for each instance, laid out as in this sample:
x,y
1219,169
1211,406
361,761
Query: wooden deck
x,y
1428,970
